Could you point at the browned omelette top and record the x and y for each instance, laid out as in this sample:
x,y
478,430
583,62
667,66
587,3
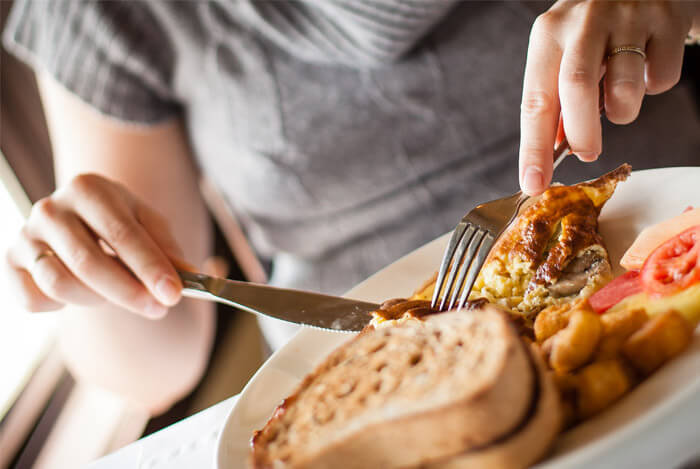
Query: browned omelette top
x,y
562,222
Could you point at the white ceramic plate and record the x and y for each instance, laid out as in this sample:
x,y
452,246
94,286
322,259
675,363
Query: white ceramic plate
x,y
654,426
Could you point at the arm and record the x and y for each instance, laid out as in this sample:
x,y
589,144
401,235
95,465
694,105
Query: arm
x,y
150,362
153,162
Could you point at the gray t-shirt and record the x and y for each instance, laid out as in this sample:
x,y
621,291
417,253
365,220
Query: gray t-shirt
x,y
344,133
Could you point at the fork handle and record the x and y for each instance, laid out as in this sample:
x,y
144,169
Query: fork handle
x,y
561,151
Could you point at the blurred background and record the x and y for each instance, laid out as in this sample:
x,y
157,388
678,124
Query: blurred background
x,y
47,418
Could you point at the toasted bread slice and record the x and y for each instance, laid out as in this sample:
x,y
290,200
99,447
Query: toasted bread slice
x,y
529,442
405,396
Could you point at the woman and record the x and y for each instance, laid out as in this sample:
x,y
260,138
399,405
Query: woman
x,y
344,134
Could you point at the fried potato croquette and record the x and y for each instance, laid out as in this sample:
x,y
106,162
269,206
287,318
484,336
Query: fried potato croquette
x,y
657,341
574,345
617,327
600,384
555,318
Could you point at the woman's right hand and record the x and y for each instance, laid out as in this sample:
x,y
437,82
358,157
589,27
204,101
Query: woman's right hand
x,y
93,241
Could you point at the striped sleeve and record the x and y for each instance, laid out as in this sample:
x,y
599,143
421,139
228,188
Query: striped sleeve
x,y
352,32
112,55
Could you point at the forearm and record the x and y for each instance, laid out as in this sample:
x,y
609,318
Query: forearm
x,y
151,363
153,162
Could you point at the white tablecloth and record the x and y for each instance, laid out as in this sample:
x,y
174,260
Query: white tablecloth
x,y
191,444
188,444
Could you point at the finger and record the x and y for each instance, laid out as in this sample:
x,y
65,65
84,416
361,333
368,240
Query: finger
x,y
51,275
31,298
579,75
106,212
664,60
539,109
81,254
158,229
624,78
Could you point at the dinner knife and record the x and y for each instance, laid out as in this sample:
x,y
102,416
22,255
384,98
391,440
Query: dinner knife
x,y
295,306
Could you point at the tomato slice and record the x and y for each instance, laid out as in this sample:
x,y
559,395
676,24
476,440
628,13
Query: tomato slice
x,y
618,289
673,266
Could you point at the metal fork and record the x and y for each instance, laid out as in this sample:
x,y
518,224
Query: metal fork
x,y
479,229
475,235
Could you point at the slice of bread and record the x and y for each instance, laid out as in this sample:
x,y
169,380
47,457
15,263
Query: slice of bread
x,y
528,443
405,396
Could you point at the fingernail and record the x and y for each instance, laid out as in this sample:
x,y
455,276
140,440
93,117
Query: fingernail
x,y
587,155
533,180
155,310
167,291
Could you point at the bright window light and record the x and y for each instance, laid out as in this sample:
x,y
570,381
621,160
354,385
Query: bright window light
x,y
24,338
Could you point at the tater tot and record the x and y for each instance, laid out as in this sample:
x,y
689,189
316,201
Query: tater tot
x,y
600,384
617,327
551,320
574,345
662,337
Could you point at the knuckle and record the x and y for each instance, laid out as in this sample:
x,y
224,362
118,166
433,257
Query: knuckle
x,y
152,270
620,116
578,77
118,231
546,22
534,153
86,183
80,260
44,209
537,103
625,90
628,10
153,217
135,298
622,103
52,282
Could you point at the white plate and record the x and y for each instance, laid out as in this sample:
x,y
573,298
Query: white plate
x,y
654,426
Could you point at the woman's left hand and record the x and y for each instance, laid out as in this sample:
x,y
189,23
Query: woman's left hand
x,y
571,47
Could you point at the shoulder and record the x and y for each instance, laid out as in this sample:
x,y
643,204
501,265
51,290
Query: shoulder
x,y
116,56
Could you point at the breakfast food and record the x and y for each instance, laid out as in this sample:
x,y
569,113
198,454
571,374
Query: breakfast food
x,y
524,446
552,253
600,346
632,326
420,393
381,399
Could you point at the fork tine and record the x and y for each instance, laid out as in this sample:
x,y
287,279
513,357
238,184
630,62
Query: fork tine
x,y
482,253
474,243
457,261
446,258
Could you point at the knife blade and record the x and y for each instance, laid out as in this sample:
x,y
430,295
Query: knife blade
x,y
295,306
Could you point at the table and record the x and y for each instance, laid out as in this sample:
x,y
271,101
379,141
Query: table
x,y
190,443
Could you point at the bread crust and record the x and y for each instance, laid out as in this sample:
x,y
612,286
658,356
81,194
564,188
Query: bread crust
x,y
528,444
404,429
